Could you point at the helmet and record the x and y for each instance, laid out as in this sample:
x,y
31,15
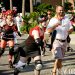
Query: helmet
x,y
9,12
42,18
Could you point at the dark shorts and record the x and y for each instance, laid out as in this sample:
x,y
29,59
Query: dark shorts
x,y
29,48
7,38
31,53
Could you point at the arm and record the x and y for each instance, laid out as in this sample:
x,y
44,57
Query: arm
x,y
49,30
52,25
19,33
16,30
37,39
70,31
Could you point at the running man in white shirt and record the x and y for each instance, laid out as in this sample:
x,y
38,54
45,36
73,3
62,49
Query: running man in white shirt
x,y
63,27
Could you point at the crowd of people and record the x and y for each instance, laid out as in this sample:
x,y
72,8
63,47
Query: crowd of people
x,y
57,27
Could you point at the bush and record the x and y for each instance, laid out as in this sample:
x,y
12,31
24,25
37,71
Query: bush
x,y
68,6
30,22
31,19
42,8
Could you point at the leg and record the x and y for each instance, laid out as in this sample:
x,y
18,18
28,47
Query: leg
x,y
20,65
28,60
38,65
17,53
1,51
68,47
11,49
16,56
43,48
58,54
57,65
3,45
11,52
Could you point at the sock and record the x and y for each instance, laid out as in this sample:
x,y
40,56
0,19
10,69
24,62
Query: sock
x,y
20,64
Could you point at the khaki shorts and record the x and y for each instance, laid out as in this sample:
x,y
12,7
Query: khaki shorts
x,y
58,50
57,53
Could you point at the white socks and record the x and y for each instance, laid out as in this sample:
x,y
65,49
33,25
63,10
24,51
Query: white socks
x,y
20,64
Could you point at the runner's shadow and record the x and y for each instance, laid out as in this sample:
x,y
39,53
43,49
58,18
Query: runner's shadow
x,y
3,64
70,54
4,72
70,58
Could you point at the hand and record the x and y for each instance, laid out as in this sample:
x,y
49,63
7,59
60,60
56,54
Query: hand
x,y
19,34
57,24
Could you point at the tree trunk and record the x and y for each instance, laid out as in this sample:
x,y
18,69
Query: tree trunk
x,y
11,7
23,7
31,6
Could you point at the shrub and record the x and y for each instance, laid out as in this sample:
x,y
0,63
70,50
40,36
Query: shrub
x,y
31,19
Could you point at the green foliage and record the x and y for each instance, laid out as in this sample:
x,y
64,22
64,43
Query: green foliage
x,y
24,29
68,6
42,8
34,15
30,22
31,19
26,18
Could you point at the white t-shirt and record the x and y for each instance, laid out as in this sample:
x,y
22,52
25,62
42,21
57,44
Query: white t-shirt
x,y
62,29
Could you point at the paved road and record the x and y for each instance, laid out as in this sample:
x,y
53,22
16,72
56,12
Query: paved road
x,y
68,62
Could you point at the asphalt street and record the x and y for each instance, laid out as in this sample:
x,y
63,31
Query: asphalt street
x,y
68,61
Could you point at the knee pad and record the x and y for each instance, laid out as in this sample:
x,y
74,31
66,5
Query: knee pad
x,y
1,51
38,65
11,50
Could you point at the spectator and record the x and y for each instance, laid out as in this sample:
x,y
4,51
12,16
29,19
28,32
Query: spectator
x,y
48,36
69,15
49,15
18,21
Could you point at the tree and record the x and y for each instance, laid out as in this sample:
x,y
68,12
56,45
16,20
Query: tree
x,y
11,7
68,6
31,6
23,7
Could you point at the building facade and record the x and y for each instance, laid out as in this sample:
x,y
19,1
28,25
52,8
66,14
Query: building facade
x,y
18,3
54,3
58,2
